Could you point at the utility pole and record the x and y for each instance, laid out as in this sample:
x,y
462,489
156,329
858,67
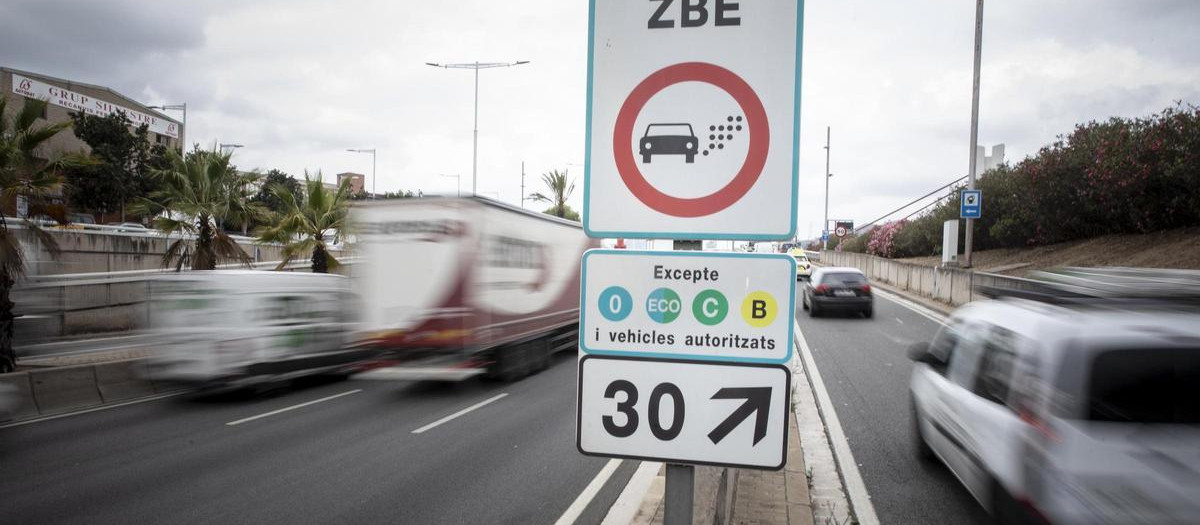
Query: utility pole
x,y
522,184
974,127
825,225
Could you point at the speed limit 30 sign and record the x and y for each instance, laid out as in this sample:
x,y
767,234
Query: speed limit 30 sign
x,y
693,119
725,414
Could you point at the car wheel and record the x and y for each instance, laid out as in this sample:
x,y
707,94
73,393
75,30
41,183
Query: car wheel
x,y
924,453
869,312
804,302
813,310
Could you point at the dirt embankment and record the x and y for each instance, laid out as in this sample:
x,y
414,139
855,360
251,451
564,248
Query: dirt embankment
x,y
1166,249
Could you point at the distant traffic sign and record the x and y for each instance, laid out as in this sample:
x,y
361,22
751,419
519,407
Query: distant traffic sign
x,y
971,204
693,119
843,228
698,305
726,414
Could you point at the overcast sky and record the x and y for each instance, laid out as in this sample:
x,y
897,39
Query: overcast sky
x,y
298,82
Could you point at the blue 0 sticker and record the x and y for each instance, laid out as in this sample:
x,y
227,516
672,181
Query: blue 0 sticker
x,y
615,303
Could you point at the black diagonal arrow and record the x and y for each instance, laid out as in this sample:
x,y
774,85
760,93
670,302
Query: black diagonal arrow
x,y
758,399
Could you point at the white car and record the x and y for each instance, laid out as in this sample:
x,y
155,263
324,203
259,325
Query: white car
x,y
1065,409
803,265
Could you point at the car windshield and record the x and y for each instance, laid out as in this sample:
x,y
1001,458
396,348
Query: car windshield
x,y
658,130
800,258
1153,385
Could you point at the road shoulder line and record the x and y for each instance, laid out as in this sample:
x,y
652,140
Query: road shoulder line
x,y
581,502
852,482
928,313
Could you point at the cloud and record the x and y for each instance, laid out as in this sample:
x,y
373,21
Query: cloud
x,y
298,82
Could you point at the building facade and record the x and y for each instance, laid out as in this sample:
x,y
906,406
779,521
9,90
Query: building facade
x,y
67,96
357,181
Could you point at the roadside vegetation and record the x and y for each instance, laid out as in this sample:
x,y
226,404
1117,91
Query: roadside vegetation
x,y
309,221
1120,176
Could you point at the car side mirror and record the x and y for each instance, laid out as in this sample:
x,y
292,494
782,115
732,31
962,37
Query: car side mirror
x,y
919,352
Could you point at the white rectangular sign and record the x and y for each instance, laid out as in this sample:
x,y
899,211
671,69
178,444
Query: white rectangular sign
x,y
695,305
726,414
693,119
71,100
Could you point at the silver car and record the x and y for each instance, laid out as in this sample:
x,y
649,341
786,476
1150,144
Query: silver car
x,y
1067,409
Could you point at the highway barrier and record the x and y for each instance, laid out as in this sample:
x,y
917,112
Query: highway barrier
x,y
953,286
24,407
64,389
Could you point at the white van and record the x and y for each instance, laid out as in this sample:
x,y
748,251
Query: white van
x,y
234,328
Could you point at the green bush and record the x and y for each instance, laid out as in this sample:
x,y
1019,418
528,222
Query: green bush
x,y
1118,176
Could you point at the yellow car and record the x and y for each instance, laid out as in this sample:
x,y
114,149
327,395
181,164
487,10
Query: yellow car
x,y
803,266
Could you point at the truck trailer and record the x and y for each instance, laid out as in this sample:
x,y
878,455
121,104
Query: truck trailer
x,y
453,288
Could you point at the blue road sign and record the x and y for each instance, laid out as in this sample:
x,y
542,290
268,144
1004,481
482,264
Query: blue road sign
x,y
825,235
971,204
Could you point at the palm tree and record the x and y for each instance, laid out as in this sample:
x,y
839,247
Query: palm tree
x,y
307,222
25,177
560,191
198,195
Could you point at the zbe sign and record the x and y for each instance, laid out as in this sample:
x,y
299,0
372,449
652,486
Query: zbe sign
x,y
693,119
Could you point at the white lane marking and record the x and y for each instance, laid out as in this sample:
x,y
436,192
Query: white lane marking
x,y
899,321
588,493
478,405
934,316
626,507
95,409
293,407
856,490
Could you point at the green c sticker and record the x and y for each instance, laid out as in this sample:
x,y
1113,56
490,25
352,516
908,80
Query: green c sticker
x,y
710,307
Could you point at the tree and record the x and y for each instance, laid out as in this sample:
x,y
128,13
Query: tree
x,y
308,222
197,195
122,167
36,182
266,196
560,190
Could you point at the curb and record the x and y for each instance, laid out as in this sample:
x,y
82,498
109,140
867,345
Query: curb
x,y
56,391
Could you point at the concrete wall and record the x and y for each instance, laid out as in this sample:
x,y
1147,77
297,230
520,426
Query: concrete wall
x,y
952,286
91,251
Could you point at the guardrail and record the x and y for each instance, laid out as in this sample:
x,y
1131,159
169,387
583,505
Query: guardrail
x,y
953,286
51,307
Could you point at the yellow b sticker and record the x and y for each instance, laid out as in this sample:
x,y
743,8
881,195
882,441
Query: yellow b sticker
x,y
759,309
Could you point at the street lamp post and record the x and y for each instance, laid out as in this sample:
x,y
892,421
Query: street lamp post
x,y
970,226
183,132
372,152
457,184
825,228
475,139
231,146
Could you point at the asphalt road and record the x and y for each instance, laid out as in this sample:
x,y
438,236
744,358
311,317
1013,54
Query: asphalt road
x,y
352,458
863,364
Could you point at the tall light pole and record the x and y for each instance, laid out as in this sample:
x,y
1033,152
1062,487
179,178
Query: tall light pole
x,y
475,140
974,127
182,133
372,152
825,227
231,146
457,184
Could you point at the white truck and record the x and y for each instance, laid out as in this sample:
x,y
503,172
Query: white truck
x,y
453,288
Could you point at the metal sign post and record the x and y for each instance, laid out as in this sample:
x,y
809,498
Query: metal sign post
x,y
692,135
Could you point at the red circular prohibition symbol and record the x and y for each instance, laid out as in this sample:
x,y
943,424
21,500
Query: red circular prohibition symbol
x,y
747,175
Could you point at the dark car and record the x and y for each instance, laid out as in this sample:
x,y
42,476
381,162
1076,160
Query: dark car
x,y
669,139
838,289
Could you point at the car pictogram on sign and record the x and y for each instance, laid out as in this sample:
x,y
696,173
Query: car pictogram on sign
x,y
669,139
